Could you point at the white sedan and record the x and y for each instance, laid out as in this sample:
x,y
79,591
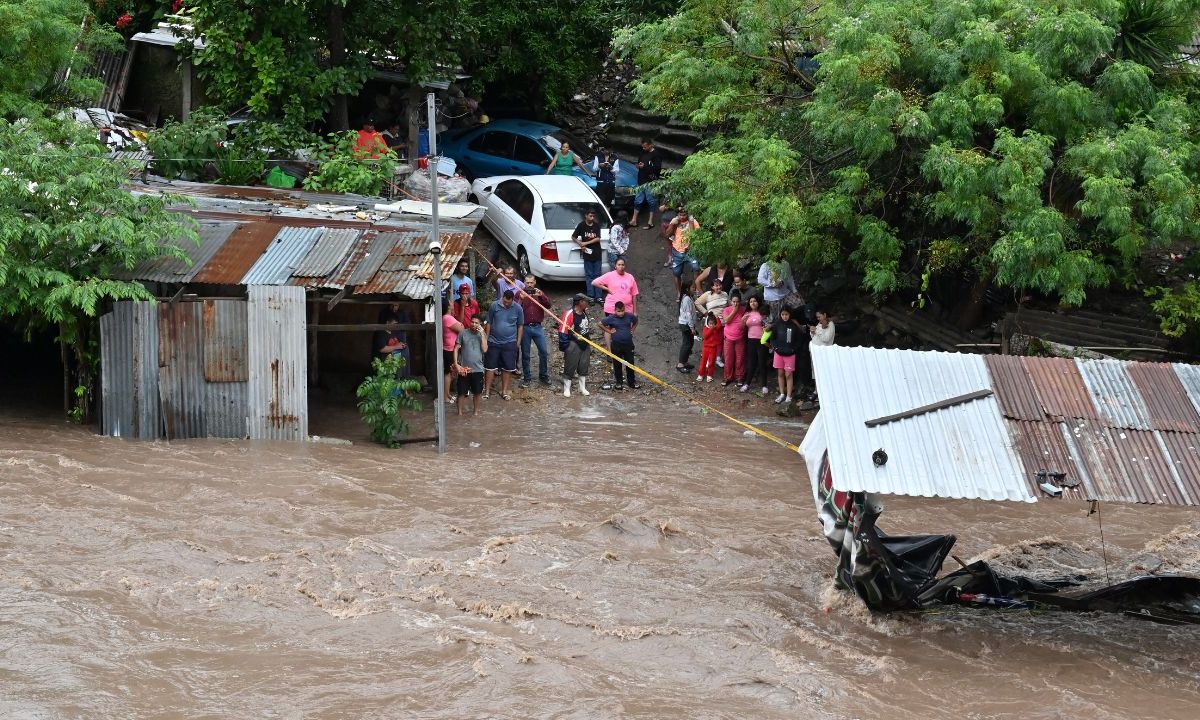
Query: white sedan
x,y
533,217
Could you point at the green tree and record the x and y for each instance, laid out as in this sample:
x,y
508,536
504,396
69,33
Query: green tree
x,y
383,396
44,46
1039,145
299,61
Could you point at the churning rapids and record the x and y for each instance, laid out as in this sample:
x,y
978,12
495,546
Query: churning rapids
x,y
600,558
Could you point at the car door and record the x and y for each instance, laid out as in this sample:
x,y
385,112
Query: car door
x,y
490,153
530,157
503,205
528,208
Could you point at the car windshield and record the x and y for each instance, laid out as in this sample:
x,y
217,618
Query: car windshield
x,y
555,140
565,216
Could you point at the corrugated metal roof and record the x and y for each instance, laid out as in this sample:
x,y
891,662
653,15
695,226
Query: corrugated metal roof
x,y
1086,433
1060,388
410,248
1126,465
327,253
129,371
168,268
1189,375
277,393
1114,394
381,246
282,256
1184,452
1015,392
1043,447
1166,399
238,254
414,275
936,454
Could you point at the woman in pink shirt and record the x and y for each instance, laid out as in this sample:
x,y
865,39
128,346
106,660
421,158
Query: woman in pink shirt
x,y
757,361
735,341
451,327
619,286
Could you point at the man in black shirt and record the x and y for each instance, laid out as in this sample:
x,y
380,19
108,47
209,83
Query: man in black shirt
x,y
587,238
649,167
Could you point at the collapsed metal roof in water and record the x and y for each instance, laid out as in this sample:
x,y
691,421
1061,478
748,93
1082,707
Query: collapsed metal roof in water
x,y
953,425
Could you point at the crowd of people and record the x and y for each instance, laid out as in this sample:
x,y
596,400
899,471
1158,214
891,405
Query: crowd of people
x,y
754,329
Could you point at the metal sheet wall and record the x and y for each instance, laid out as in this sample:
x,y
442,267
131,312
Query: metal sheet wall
x,y
225,413
129,371
278,377
225,341
181,369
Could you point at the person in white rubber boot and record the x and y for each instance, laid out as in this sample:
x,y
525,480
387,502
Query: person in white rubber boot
x,y
577,354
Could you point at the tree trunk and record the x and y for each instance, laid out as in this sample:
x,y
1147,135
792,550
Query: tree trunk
x,y
972,311
339,118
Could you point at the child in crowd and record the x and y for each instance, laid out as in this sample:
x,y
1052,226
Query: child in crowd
x,y
786,338
756,352
687,330
713,338
469,350
620,326
735,342
618,239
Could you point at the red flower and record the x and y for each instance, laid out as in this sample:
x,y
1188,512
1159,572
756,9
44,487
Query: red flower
x,y
176,6
124,21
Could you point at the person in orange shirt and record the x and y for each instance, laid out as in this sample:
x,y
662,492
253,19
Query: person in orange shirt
x,y
680,230
371,143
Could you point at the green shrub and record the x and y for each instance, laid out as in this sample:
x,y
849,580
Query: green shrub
x,y
183,149
382,396
342,168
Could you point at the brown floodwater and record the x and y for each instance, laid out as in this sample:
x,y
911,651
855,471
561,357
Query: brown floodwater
x,y
600,557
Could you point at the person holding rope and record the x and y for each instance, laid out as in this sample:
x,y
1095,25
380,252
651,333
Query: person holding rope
x,y
573,332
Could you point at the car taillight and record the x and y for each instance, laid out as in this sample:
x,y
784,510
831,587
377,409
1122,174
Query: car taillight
x,y
550,251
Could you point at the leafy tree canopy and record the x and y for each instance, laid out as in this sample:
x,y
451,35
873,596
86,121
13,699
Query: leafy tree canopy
x,y
1041,145
295,60
44,45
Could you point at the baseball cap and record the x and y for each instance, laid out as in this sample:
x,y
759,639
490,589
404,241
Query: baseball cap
x,y
464,288
580,296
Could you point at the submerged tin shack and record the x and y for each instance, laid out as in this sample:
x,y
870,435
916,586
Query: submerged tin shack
x,y
234,341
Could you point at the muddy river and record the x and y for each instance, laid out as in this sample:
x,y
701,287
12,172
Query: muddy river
x,y
600,557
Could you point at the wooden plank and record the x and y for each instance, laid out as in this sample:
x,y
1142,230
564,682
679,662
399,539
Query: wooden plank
x,y
369,326
940,404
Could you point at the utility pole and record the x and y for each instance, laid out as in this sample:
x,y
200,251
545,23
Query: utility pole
x,y
435,247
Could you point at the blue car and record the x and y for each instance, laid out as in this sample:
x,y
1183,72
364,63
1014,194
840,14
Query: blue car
x,y
524,147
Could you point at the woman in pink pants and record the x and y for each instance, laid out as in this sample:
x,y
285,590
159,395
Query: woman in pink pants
x,y
735,341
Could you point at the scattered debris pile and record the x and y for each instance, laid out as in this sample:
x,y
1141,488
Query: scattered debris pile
x,y
594,108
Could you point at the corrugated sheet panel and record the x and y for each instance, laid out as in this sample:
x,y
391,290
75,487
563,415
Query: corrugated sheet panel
x,y
327,253
1124,465
1043,446
410,247
225,413
341,276
213,235
1114,394
1166,399
381,246
277,394
1189,375
1183,449
963,451
243,248
283,255
225,341
1060,388
181,369
1014,390
413,276
129,371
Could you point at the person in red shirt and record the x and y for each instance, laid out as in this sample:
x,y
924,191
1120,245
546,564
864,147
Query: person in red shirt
x,y
371,144
714,339
465,307
535,303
